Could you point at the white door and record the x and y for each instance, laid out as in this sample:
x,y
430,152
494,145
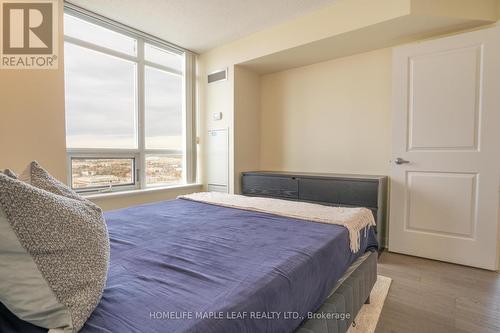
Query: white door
x,y
446,149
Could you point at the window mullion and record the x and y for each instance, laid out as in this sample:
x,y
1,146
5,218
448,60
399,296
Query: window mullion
x,y
163,68
97,48
189,120
141,114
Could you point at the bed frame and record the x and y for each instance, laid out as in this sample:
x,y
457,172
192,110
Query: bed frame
x,y
338,312
323,188
347,297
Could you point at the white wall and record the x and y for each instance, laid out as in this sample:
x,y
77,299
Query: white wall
x,y
332,116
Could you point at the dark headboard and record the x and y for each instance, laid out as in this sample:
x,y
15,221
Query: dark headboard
x,y
326,189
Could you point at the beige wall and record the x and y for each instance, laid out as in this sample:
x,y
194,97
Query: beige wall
x,y
479,9
332,116
328,21
343,16
246,123
32,116
339,22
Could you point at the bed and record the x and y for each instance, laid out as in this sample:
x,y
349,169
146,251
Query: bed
x,y
185,266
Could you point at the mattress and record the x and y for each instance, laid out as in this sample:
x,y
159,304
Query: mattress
x,y
183,266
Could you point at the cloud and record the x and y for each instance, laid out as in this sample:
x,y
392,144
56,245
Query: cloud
x,y
101,101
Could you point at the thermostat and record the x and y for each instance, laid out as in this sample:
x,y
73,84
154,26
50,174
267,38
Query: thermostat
x,y
217,115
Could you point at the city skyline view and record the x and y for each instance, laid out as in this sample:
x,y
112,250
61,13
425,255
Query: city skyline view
x,y
93,173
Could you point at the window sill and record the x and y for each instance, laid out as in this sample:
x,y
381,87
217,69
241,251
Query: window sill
x,y
118,194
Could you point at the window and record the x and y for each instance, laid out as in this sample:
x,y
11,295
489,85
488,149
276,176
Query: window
x,y
102,172
128,107
101,102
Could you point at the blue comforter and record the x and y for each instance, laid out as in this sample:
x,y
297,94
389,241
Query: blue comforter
x,y
183,266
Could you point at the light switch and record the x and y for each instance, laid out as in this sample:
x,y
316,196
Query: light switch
x,y
217,115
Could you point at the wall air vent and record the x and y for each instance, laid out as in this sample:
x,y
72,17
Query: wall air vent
x,y
217,76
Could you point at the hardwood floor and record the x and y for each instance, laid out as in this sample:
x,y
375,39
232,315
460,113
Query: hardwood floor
x,y
429,296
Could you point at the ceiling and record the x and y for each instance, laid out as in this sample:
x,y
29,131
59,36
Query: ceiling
x,y
199,25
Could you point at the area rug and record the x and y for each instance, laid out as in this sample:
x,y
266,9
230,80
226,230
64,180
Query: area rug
x,y
367,318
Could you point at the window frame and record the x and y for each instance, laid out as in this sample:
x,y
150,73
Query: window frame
x,y
189,149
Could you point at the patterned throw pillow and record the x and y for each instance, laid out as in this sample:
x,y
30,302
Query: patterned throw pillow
x,y
37,176
54,254
10,173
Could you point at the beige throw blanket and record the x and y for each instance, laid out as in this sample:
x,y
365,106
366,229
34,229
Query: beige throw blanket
x,y
354,219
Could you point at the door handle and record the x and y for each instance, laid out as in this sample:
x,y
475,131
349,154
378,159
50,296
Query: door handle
x,y
400,161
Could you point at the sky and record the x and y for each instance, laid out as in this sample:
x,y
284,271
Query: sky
x,y
101,102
